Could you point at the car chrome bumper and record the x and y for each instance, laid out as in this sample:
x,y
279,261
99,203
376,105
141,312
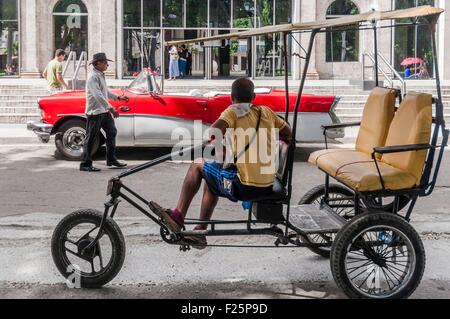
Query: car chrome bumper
x,y
42,130
335,133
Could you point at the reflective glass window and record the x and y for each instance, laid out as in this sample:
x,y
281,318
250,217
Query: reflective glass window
x,y
173,13
196,13
243,14
264,13
342,45
9,38
152,13
220,13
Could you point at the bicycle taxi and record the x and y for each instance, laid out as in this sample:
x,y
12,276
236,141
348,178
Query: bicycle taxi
x,y
361,222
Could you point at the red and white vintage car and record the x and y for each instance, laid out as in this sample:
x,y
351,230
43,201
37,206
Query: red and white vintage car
x,y
150,118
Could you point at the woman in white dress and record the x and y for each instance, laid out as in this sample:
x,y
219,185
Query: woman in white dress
x,y
174,70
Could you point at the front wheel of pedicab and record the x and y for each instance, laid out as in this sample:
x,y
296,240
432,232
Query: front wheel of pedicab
x,y
377,255
91,268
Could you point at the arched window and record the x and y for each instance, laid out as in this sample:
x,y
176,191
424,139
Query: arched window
x,y
342,45
70,21
9,38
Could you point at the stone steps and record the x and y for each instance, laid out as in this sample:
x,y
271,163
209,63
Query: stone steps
x,y
22,92
19,110
19,97
18,103
18,118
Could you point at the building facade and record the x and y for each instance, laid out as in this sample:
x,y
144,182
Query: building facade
x,y
132,33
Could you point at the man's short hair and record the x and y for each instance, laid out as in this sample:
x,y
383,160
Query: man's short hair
x,y
60,52
243,90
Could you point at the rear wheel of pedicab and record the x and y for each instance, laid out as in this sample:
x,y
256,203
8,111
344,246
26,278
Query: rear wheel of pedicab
x,y
91,268
372,202
377,255
315,196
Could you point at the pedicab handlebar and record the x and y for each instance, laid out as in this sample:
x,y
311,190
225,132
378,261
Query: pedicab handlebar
x,y
155,162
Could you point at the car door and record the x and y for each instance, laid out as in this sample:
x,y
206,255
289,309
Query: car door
x,y
125,122
163,120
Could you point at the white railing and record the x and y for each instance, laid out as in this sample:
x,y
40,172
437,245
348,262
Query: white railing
x,y
388,78
83,58
72,57
77,65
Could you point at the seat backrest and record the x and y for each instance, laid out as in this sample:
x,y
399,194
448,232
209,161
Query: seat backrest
x,y
376,120
282,162
411,125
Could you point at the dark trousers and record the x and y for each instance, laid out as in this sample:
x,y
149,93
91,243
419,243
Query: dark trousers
x,y
94,124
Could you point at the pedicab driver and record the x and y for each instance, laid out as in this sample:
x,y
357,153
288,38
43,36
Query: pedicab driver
x,y
250,179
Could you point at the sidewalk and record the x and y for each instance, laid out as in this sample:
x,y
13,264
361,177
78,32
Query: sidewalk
x,y
16,134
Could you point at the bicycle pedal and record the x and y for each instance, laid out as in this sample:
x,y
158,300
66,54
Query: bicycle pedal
x,y
185,248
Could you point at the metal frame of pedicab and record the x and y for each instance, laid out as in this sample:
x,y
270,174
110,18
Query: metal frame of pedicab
x,y
290,234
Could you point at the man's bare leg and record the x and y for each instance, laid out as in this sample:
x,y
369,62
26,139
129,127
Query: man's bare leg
x,y
209,203
191,186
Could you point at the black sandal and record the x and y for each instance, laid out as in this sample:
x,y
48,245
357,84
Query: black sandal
x,y
196,241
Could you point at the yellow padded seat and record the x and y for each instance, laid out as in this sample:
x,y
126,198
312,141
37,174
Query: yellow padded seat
x,y
334,161
377,117
376,120
314,157
411,125
363,177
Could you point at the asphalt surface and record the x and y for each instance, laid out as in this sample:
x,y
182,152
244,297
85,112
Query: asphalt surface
x,y
37,190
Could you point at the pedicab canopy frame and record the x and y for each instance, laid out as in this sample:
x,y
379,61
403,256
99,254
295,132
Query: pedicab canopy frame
x,y
423,15
403,235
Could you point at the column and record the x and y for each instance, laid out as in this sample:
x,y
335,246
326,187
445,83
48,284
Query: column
x,y
119,30
444,40
296,62
29,39
303,11
104,34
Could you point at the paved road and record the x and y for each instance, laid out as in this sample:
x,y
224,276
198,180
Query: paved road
x,y
37,190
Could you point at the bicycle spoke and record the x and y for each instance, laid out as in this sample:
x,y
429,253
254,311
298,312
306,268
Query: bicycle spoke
x,y
87,235
359,267
388,279
365,280
92,266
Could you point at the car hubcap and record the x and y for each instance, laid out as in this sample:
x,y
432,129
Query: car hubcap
x,y
73,140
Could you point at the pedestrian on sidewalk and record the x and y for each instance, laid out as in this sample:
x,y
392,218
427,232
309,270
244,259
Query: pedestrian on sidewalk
x,y
174,70
100,115
53,73
183,61
189,62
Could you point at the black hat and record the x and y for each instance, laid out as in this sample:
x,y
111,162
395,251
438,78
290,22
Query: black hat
x,y
99,57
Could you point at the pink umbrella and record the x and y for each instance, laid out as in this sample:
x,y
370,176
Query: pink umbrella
x,y
409,61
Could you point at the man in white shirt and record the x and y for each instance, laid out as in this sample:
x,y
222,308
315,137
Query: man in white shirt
x,y
100,113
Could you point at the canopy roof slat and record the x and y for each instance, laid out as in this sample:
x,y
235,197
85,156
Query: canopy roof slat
x,y
416,12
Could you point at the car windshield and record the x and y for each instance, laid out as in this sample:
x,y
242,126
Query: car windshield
x,y
140,84
145,83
